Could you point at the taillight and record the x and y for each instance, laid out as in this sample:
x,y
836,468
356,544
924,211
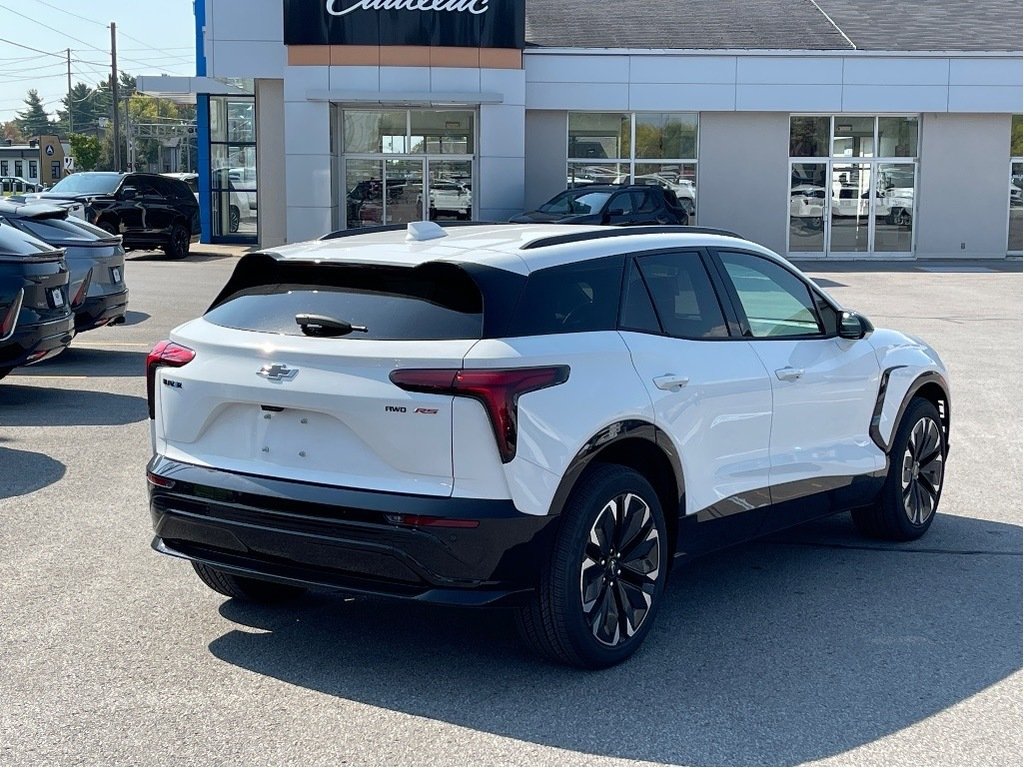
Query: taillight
x,y
165,354
82,292
10,318
497,390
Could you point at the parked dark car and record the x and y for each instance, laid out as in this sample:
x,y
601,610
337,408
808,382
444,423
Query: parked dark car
x,y
36,319
613,204
148,210
95,259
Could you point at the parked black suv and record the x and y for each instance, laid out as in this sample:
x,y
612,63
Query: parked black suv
x,y
615,204
36,320
146,209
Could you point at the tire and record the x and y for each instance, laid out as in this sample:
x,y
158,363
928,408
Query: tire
x,y
107,227
686,219
910,496
572,617
178,243
234,219
242,588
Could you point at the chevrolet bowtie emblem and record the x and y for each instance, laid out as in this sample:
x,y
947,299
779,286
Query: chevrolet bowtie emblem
x,y
278,372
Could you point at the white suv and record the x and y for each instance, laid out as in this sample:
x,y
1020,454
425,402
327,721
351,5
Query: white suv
x,y
538,416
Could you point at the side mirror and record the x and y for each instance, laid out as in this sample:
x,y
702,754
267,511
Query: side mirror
x,y
854,326
129,193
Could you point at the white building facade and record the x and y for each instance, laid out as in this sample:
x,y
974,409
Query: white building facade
x,y
830,152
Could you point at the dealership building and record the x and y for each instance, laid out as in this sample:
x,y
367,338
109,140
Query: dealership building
x,y
828,128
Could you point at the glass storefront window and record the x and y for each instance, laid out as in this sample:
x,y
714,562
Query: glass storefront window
x,y
894,207
233,167
809,136
598,136
866,183
442,133
1015,235
666,136
375,131
656,148
853,137
808,198
897,136
423,165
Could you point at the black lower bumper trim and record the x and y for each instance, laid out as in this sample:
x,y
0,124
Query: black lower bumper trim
x,y
98,311
347,539
34,343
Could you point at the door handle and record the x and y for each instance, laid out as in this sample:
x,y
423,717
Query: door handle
x,y
670,382
789,374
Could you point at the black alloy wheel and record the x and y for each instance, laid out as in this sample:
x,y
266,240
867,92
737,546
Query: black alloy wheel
x,y
922,471
620,568
234,219
599,593
909,499
179,243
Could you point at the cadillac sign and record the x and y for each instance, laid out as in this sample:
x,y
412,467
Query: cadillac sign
x,y
462,23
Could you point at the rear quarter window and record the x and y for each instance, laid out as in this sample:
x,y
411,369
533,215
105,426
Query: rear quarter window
x,y
430,302
574,298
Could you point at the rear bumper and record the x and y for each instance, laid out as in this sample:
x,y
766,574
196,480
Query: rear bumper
x,y
38,342
98,311
341,538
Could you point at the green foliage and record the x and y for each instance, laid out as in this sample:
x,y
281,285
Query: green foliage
x,y
86,150
1016,136
33,120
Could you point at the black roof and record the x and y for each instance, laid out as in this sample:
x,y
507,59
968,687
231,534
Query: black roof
x,y
894,25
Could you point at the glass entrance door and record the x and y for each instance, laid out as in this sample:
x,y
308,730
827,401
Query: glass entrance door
x,y
851,208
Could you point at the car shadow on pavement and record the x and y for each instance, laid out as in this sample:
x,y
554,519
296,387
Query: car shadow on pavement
x,y
22,472
25,406
89,361
776,652
131,317
194,258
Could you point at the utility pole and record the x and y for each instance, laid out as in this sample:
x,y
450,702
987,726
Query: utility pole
x,y
114,96
71,104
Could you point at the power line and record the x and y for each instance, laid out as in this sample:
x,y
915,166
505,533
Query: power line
x,y
148,46
76,39
30,48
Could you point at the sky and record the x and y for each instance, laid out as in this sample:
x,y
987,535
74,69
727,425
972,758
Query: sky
x,y
154,37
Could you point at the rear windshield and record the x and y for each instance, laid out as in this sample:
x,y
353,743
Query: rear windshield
x,y
579,201
14,242
430,302
59,231
88,184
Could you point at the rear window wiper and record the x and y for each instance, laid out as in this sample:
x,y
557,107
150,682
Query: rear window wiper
x,y
321,325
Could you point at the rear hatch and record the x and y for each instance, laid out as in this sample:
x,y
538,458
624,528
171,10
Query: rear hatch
x,y
33,279
264,397
86,248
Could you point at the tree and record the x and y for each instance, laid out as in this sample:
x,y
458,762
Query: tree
x,y
84,108
86,151
12,131
34,121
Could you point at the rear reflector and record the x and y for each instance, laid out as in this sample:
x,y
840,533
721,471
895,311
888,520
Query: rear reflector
x,y
9,320
159,482
498,390
166,354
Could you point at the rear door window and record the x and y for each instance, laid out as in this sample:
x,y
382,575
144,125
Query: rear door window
x,y
683,296
425,303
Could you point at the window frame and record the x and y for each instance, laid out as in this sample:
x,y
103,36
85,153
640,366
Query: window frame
x,y
817,296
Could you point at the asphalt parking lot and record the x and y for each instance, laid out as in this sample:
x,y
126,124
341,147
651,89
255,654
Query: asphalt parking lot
x,y
814,646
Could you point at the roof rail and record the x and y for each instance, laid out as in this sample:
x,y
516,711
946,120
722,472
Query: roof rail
x,y
579,237
337,235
